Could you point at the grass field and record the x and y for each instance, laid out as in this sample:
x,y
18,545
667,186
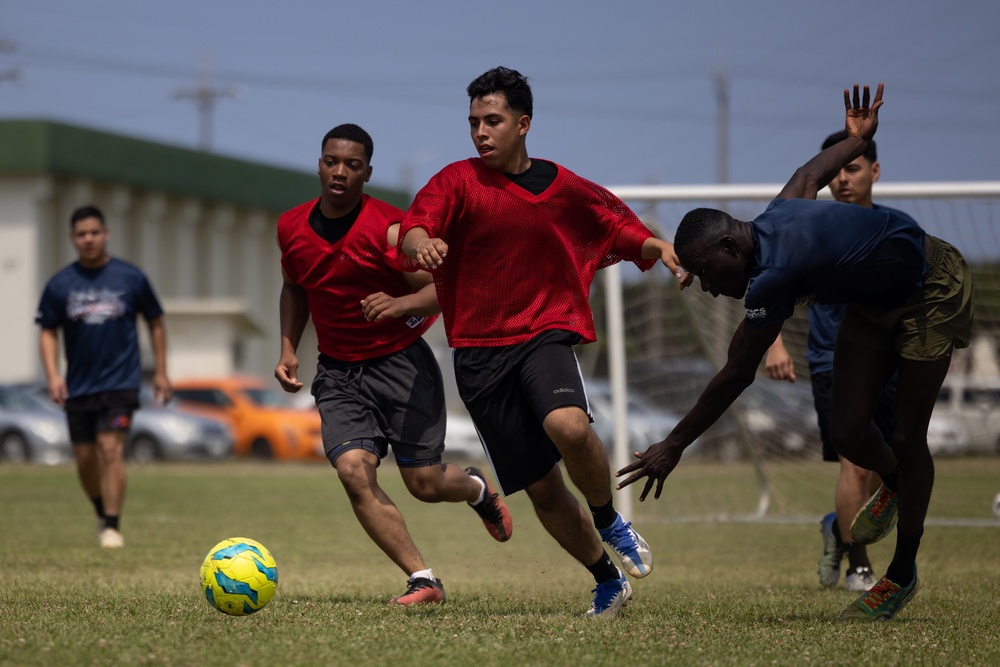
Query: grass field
x,y
722,593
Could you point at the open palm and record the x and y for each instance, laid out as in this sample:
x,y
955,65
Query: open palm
x,y
862,119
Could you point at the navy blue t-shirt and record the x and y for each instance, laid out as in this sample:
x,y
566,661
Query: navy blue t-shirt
x,y
96,309
824,323
810,251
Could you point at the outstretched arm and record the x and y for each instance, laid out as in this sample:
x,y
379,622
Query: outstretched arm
x,y
745,352
861,123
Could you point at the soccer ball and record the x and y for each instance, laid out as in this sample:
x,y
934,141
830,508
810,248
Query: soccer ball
x,y
239,576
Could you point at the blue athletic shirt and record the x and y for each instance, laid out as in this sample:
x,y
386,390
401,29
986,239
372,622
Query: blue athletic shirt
x,y
96,309
824,323
810,251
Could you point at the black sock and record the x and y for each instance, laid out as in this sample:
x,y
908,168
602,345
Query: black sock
x,y
98,506
111,522
857,556
904,561
604,515
603,570
891,481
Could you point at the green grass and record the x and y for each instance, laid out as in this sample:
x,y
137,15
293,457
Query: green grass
x,y
721,594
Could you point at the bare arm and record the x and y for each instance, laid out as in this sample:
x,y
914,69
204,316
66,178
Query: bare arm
x,y
48,345
745,352
654,248
158,338
293,315
422,302
429,252
778,362
861,124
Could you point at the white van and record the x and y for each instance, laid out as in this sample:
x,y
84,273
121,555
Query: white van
x,y
969,408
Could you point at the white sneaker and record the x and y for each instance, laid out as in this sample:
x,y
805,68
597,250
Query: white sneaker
x,y
109,538
610,597
860,579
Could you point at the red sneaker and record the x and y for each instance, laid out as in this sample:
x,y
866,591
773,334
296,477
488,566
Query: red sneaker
x,y
492,510
421,591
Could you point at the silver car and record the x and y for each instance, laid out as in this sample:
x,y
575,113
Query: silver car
x,y
31,428
158,432
163,432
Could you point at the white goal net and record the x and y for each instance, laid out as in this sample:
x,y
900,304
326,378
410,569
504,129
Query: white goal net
x,y
765,453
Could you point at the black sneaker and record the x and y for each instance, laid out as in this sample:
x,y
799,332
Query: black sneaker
x,y
421,591
492,509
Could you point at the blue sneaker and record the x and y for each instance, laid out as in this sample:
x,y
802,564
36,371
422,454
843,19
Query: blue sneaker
x,y
610,596
631,549
833,553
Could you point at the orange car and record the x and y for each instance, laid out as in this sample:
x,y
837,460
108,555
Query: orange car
x,y
264,422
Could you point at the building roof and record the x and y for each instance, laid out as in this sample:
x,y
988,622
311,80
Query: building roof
x,y
45,147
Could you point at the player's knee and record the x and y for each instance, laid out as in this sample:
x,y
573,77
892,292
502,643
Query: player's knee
x,y
846,441
426,484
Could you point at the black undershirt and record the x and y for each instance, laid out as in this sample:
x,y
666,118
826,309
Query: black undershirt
x,y
536,178
332,230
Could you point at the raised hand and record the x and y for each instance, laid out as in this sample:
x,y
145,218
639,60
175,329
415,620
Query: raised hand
x,y
862,119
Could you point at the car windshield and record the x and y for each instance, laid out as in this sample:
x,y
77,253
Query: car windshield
x,y
267,398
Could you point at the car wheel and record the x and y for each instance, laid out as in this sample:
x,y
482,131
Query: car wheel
x,y
261,449
144,449
14,448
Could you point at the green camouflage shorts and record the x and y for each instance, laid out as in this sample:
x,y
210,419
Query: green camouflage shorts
x,y
931,323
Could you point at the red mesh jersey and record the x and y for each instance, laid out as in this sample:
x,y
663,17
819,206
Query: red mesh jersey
x,y
336,277
519,264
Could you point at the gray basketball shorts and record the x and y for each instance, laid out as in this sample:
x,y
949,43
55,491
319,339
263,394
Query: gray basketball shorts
x,y
396,400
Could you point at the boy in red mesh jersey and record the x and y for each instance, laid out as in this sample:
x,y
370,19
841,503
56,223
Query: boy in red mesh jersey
x,y
546,231
377,382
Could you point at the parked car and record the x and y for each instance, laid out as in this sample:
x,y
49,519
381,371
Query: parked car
x,y
32,428
164,432
265,424
968,410
160,431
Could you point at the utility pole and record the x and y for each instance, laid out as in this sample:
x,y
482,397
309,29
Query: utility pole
x,y
13,74
722,126
205,95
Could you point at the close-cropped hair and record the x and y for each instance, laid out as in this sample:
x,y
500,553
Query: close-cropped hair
x,y
351,132
870,154
510,82
699,228
85,212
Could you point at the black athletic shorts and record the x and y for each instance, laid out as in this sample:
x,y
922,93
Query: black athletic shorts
x,y
822,388
395,400
509,390
100,413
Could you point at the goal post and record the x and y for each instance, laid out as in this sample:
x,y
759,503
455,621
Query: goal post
x,y
662,346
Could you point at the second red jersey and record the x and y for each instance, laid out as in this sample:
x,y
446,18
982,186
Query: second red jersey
x,y
519,264
337,276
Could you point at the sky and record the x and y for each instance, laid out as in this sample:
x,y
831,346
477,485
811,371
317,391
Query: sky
x,y
626,92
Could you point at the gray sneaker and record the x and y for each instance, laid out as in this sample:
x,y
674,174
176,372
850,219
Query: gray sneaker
x,y
833,553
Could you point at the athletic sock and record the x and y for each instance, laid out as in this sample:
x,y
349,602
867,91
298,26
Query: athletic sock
x,y
605,515
603,570
422,574
891,481
98,506
901,568
482,490
111,522
857,556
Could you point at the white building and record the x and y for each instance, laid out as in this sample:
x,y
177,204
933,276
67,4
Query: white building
x,y
201,226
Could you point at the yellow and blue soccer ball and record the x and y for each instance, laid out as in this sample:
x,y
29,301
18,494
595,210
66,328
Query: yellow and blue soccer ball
x,y
239,576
